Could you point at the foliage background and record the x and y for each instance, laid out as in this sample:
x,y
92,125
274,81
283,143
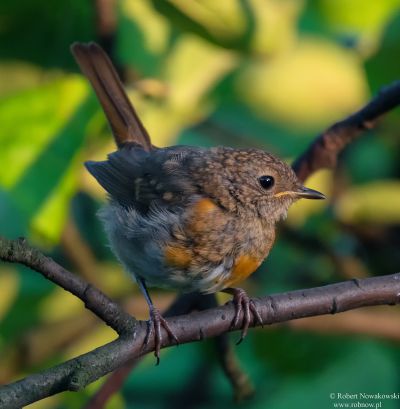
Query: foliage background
x,y
260,73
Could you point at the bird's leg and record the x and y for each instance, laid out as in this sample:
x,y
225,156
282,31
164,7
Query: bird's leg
x,y
243,304
154,324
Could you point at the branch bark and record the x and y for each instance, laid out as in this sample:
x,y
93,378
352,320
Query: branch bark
x,y
78,372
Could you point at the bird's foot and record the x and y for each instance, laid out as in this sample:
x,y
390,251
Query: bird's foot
x,y
154,324
246,306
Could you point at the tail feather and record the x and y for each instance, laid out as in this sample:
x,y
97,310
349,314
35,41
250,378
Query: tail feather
x,y
122,117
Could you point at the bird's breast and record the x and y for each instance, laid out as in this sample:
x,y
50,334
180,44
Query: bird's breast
x,y
216,249
201,248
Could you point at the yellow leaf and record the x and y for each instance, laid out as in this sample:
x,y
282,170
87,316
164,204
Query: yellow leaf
x,y
186,74
375,202
58,305
224,19
100,335
275,25
312,85
49,403
153,26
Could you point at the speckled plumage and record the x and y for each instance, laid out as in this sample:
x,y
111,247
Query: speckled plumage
x,y
186,215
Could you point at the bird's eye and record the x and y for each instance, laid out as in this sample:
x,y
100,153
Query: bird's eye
x,y
266,181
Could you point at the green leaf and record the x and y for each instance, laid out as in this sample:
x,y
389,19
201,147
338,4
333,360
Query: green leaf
x,y
30,120
43,131
12,223
383,68
369,368
41,31
357,16
152,36
231,40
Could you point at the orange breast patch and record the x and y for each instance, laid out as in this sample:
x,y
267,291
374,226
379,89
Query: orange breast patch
x,y
200,215
177,256
243,267
204,206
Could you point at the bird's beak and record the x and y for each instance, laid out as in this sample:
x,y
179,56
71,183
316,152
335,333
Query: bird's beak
x,y
306,193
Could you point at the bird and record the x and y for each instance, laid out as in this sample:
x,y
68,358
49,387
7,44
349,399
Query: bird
x,y
186,218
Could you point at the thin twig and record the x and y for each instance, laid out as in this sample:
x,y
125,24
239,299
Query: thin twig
x,y
18,251
324,150
241,383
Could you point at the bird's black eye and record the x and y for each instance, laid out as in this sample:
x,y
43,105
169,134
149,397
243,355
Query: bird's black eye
x,y
266,181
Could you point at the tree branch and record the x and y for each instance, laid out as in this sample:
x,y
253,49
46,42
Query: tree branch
x,y
78,372
18,251
183,304
324,150
241,383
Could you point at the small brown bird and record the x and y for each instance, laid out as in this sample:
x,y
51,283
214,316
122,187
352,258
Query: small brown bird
x,y
183,217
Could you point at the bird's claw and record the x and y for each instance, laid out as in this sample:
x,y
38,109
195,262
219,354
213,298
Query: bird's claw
x,y
154,324
244,304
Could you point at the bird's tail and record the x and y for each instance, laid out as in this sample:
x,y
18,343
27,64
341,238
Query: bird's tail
x,y
124,122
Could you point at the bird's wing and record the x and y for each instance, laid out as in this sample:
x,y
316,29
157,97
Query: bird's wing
x,y
139,179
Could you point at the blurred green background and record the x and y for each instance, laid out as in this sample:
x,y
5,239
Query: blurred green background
x,y
254,73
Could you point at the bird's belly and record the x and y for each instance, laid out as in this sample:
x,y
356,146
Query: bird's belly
x,y
210,278
194,269
217,256
244,266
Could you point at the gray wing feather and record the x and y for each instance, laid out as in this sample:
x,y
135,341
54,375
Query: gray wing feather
x,y
136,178
118,174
